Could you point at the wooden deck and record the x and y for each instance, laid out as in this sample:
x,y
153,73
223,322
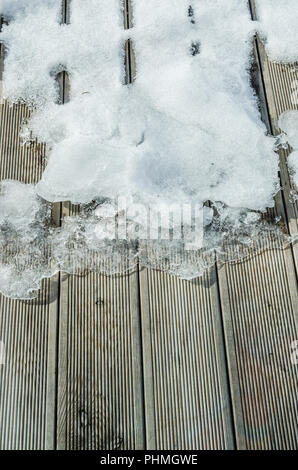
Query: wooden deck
x,y
145,360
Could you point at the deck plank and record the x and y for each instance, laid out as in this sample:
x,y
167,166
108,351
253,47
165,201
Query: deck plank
x,y
28,329
187,402
213,354
27,379
100,403
280,82
168,317
259,305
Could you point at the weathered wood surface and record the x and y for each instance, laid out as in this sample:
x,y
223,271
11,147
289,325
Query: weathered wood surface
x,y
145,360
187,399
28,329
280,83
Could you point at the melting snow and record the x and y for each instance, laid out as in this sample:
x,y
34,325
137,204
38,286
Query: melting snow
x,y
278,27
188,130
288,122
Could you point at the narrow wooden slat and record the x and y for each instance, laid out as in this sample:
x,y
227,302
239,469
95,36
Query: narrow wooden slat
x,y
279,81
65,13
28,329
100,392
100,404
259,306
187,400
1,64
27,385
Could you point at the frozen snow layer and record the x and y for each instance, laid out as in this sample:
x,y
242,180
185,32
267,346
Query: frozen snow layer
x,y
278,26
187,129
288,122
293,166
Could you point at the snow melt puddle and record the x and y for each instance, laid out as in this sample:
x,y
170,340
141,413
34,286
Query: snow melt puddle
x,y
186,135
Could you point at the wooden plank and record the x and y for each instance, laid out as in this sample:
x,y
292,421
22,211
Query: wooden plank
x,y
187,402
100,403
187,399
259,307
280,82
100,391
239,284
27,379
20,162
28,329
259,304
130,64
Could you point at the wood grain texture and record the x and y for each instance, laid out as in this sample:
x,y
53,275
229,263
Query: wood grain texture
x,y
187,401
280,83
27,379
27,328
259,305
100,402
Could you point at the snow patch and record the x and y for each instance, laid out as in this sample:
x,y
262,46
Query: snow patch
x,y
288,122
278,27
187,131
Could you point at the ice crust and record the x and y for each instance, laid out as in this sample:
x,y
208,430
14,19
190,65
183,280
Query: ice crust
x,y
188,130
